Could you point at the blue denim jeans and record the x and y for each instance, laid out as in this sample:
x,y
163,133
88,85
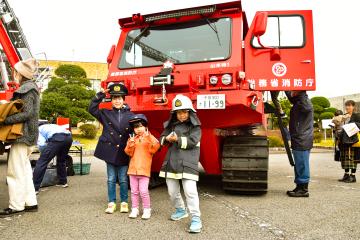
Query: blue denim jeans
x,y
302,166
114,173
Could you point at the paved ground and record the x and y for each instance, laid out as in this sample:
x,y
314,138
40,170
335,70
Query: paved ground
x,y
332,211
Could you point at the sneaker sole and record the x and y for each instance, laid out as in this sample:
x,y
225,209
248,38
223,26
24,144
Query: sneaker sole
x,y
304,196
195,231
13,214
177,219
31,210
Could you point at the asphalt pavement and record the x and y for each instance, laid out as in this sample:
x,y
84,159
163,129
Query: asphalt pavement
x,y
77,212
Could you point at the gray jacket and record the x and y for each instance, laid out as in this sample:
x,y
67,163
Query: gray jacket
x,y
182,158
29,93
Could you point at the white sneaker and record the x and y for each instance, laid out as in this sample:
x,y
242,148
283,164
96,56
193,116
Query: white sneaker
x,y
111,208
146,214
134,213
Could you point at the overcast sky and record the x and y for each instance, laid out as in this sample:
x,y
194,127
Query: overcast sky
x,y
84,30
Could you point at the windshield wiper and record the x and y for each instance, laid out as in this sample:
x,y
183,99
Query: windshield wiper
x,y
214,28
138,37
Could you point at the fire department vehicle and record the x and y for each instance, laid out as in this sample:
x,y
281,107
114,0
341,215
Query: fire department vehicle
x,y
13,48
212,55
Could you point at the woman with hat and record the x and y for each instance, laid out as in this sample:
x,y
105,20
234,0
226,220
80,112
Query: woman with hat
x,y
22,195
112,142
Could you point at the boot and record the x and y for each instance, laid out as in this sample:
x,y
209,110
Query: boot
x,y
345,178
351,179
302,191
293,191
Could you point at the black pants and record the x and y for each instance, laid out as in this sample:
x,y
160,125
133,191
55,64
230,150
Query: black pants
x,y
58,146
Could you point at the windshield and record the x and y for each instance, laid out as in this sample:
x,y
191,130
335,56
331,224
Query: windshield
x,y
197,41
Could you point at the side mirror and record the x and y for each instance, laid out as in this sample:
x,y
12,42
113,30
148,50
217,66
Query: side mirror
x,y
260,24
111,55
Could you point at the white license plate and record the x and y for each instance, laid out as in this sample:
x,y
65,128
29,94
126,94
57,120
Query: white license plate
x,y
211,101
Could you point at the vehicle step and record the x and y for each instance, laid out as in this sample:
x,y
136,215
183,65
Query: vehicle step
x,y
245,169
244,189
243,181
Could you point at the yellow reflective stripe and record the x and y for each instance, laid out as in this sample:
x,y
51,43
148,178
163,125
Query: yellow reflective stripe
x,y
183,142
179,175
162,140
171,175
191,176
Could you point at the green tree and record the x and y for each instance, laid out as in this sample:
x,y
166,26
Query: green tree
x,y
68,95
318,108
68,71
321,101
330,109
322,110
78,115
53,105
55,84
76,92
326,115
80,81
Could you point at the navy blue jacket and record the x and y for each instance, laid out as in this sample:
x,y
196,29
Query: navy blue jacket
x,y
116,130
301,123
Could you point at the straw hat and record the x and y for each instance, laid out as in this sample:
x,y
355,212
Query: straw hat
x,y
27,68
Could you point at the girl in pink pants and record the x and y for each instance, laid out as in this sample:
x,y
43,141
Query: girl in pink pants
x,y
141,147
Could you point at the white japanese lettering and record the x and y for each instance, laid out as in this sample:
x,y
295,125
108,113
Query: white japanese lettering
x,y
262,83
274,82
298,82
286,82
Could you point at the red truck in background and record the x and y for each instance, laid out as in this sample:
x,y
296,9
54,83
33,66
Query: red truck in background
x,y
14,48
212,55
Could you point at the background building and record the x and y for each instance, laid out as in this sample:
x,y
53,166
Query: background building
x,y
94,71
338,102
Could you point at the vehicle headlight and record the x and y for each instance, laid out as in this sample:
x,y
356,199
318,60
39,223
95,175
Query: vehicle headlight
x,y
226,79
213,80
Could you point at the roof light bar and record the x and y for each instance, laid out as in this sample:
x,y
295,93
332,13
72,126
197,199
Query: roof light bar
x,y
178,14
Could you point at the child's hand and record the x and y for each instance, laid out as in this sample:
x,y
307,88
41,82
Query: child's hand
x,y
105,90
172,137
131,143
131,138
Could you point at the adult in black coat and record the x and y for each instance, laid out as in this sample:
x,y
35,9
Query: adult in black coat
x,y
112,142
301,128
